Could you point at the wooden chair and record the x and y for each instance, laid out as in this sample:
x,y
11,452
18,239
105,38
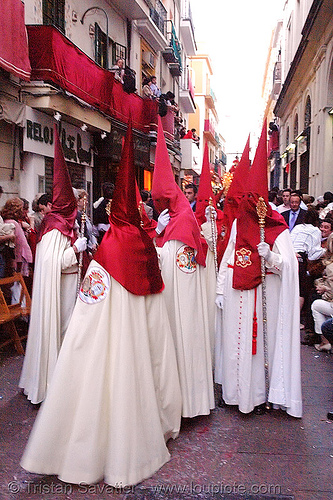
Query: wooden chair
x,y
9,313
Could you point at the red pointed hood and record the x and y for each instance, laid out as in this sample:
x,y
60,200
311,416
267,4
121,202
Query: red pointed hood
x,y
205,194
241,174
246,277
126,251
258,181
167,194
205,191
64,203
235,193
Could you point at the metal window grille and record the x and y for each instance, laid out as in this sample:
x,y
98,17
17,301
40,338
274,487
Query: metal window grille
x,y
118,52
54,13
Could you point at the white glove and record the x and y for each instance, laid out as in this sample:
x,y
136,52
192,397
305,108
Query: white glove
x,y
210,213
162,221
264,251
80,244
219,301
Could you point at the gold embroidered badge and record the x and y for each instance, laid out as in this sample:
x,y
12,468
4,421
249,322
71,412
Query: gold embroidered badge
x,y
185,259
243,257
95,286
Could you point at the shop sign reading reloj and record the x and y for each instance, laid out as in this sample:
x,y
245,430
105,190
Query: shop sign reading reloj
x,y
38,138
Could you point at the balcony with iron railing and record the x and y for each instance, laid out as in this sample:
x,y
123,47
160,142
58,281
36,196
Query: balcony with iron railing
x,y
209,130
132,9
186,93
210,99
223,158
172,53
159,17
187,30
191,160
153,27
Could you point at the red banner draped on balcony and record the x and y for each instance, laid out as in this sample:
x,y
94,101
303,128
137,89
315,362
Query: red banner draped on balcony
x,y
56,59
14,44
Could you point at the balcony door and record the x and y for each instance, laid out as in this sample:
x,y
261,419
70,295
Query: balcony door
x,y
100,47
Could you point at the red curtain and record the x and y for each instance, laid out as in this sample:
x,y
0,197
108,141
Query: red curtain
x,y
14,44
55,58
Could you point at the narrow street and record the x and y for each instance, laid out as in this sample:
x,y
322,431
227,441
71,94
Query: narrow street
x,y
224,455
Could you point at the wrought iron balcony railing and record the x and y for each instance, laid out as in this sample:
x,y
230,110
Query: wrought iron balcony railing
x,y
159,16
173,53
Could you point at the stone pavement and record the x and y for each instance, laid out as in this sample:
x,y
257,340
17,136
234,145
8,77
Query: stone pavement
x,y
225,455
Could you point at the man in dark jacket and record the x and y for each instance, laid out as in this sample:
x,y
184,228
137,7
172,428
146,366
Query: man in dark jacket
x,y
296,214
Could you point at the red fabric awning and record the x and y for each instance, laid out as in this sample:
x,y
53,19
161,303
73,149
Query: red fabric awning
x,y
14,44
56,59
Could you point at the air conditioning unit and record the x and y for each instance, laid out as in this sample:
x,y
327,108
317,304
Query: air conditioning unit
x,y
149,58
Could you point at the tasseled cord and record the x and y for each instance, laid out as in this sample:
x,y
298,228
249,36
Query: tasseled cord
x,y
254,325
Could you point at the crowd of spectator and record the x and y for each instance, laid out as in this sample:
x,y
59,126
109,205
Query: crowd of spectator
x,y
310,222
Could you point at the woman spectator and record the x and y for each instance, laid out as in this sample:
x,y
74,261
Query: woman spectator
x,y
119,70
12,213
7,245
147,92
322,309
27,224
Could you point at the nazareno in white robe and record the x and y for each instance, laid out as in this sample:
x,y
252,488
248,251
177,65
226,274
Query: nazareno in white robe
x,y
115,397
53,300
241,373
185,295
210,273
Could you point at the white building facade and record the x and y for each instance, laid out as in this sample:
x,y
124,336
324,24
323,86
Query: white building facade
x,y
304,106
73,45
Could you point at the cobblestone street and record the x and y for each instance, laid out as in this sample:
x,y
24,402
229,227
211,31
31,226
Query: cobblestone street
x,y
225,455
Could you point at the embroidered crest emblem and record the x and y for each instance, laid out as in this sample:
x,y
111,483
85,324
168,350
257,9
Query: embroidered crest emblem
x,y
95,286
243,257
185,259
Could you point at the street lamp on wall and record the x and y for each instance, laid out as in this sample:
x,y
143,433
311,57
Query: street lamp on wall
x,y
107,29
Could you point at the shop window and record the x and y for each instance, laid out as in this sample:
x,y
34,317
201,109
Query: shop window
x,y
54,13
77,174
147,180
48,174
40,184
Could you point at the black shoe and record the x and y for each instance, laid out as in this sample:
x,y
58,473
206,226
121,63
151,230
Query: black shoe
x,y
221,403
259,410
330,415
309,340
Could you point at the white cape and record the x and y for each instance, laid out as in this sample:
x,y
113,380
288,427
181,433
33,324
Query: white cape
x,y
241,373
115,397
186,299
53,300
